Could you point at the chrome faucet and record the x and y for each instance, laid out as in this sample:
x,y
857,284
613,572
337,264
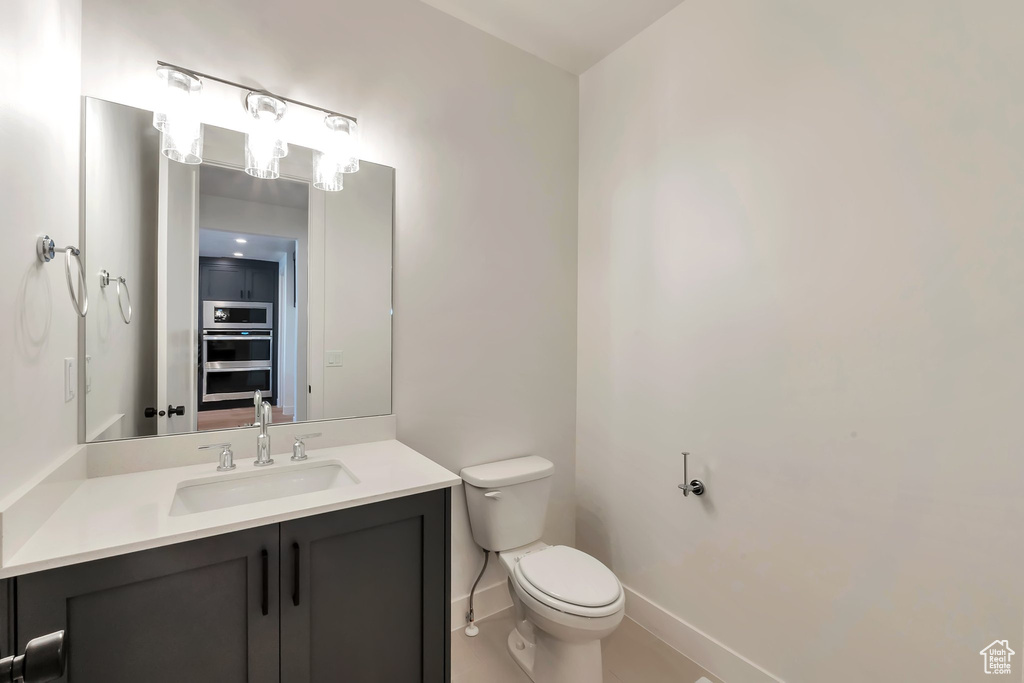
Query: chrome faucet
x,y
263,440
257,401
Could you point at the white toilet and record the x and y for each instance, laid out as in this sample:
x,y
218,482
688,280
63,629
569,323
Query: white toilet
x,y
565,600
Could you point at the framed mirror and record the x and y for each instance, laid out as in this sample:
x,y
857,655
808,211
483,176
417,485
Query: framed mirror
x,y
211,284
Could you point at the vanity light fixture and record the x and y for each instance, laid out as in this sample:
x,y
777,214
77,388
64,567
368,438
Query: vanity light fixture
x,y
182,134
177,115
264,147
338,155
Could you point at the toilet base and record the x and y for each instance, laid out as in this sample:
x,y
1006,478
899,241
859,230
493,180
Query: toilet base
x,y
522,652
554,661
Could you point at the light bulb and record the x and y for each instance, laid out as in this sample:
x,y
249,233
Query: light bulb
x,y
337,155
264,147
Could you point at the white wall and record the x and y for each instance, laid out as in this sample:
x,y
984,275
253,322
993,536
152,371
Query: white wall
x,y
39,136
253,218
288,351
121,168
801,259
484,140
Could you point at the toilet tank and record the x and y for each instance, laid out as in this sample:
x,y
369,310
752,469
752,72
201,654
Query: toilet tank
x,y
508,501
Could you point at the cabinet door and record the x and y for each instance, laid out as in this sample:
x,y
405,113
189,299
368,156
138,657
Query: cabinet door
x,y
364,594
222,282
262,284
7,618
205,611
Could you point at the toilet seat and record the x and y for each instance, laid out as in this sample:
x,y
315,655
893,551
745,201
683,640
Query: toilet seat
x,y
570,581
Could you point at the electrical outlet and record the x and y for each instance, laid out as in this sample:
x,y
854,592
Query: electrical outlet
x,y
334,359
70,379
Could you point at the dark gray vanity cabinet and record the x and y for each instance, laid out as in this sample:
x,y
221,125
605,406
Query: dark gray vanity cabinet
x,y
205,611
6,618
364,597
358,595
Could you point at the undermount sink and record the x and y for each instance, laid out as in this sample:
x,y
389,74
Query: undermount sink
x,y
214,493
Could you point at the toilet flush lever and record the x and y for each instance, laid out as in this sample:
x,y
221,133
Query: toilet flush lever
x,y
695,486
493,495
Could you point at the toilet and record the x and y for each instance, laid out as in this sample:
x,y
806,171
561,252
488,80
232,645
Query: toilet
x,y
565,600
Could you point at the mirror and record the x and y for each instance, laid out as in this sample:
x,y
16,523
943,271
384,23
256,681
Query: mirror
x,y
209,284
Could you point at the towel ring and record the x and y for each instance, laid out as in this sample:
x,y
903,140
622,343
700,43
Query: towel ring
x,y
45,250
105,278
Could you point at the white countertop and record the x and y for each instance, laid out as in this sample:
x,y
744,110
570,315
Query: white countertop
x,y
124,513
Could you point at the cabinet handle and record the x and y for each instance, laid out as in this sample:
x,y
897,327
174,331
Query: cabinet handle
x,y
250,294
241,294
296,579
266,582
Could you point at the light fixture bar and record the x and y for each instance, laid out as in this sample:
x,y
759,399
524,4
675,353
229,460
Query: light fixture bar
x,y
199,74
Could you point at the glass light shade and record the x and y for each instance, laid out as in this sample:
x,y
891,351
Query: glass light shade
x,y
353,146
328,172
264,146
182,143
178,97
260,160
338,153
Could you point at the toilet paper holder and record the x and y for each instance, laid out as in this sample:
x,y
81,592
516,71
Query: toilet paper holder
x,y
694,486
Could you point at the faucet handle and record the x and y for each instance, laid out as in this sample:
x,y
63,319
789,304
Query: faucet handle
x,y
266,413
299,448
227,457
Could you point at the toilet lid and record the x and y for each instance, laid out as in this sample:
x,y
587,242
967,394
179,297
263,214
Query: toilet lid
x,y
570,576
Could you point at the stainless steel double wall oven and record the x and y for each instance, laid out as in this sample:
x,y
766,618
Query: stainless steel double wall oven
x,y
237,350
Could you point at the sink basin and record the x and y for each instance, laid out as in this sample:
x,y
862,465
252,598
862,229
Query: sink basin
x,y
214,493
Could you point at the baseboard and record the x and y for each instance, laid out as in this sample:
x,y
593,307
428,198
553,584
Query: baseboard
x,y
723,662
489,600
717,658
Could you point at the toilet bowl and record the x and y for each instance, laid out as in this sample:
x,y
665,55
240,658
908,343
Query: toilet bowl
x,y
565,600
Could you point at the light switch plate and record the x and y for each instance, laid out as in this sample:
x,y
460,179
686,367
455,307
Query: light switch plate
x,y
334,359
70,379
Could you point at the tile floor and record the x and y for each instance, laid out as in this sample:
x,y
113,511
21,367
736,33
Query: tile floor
x,y
631,655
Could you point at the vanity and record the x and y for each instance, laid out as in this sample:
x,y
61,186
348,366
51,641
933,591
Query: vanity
x,y
234,287
348,580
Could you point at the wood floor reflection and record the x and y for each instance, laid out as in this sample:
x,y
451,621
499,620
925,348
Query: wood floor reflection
x,y
236,417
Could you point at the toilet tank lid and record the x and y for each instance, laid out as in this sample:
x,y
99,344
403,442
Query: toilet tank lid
x,y
507,472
